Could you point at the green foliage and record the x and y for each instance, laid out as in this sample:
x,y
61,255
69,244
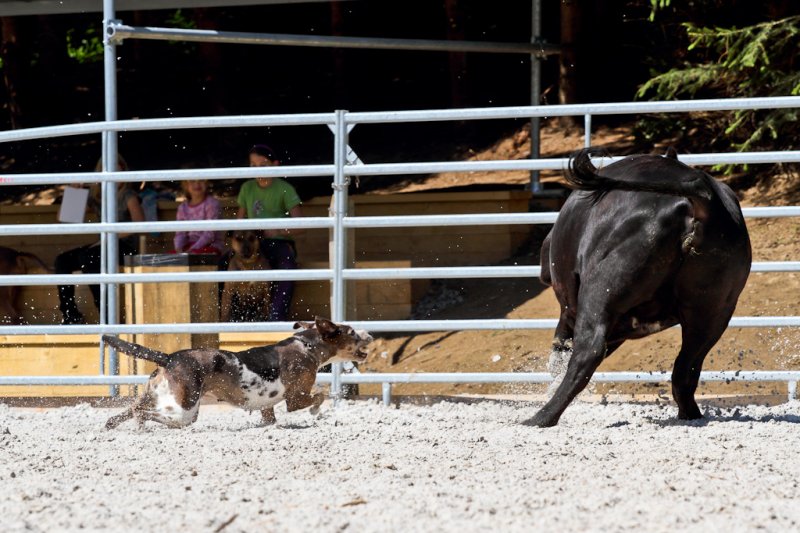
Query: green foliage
x,y
86,47
757,60
655,5
178,19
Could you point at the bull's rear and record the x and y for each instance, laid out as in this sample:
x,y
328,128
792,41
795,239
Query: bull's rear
x,y
644,244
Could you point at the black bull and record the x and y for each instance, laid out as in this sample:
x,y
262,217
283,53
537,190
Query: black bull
x,y
643,244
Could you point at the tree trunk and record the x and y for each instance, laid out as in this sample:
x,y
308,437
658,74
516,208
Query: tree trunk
x,y
569,64
340,97
8,53
457,60
211,59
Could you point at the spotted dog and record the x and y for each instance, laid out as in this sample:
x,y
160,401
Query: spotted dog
x,y
256,379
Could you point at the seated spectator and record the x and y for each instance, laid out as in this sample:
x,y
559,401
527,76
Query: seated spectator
x,y
272,198
199,205
87,258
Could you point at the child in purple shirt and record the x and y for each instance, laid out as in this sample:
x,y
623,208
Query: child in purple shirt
x,y
199,205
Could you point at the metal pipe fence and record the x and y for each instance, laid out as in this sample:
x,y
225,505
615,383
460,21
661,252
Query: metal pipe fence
x,y
340,221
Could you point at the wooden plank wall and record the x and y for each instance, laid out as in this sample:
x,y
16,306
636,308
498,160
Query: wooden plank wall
x,y
372,248
436,246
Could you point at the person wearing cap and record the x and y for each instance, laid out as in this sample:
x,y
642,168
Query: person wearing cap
x,y
272,198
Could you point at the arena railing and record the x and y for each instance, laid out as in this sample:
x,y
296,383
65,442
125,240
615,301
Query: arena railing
x,y
341,123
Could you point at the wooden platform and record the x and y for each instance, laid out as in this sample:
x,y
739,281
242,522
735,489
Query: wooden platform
x,y
371,247
79,355
368,248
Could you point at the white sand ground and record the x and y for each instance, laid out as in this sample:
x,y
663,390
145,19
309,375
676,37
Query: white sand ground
x,y
444,467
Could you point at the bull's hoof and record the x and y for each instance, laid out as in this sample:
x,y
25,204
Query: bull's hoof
x,y
693,414
540,421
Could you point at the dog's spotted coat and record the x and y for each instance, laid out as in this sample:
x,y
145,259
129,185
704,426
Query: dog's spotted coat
x,y
256,379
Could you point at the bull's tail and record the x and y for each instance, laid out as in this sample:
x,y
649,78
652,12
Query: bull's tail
x,y
650,177
136,350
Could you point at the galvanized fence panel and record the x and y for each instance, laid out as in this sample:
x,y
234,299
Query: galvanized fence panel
x,y
341,123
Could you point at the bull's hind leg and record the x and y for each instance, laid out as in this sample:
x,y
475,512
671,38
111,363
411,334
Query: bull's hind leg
x,y
588,352
698,337
562,348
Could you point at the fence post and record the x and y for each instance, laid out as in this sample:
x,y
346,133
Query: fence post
x,y
536,91
386,389
108,255
587,130
339,248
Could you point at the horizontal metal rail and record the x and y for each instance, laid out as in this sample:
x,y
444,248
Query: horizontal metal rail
x,y
534,323
136,329
100,379
118,32
409,221
387,169
775,266
546,377
771,212
135,176
565,110
304,274
159,227
388,379
471,272
445,377
326,222
375,326
357,222
168,123
425,115
375,169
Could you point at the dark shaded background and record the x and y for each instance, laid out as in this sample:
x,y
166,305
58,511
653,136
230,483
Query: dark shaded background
x,y
619,48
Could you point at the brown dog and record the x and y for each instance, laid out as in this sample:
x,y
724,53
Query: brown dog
x,y
246,301
254,379
13,262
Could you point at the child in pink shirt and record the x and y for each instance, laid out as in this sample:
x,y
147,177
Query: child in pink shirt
x,y
199,205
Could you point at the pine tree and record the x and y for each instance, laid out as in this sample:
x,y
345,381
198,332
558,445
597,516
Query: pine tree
x,y
757,60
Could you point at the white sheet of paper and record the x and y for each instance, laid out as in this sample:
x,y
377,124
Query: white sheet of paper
x,y
73,205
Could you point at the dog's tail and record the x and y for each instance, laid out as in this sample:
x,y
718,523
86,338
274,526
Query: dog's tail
x,y
136,350
665,175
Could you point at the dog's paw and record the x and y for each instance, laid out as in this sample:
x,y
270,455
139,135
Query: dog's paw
x,y
314,410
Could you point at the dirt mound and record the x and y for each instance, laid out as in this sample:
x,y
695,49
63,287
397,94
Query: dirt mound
x,y
555,142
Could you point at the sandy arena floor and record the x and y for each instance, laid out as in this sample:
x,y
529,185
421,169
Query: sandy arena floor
x,y
444,467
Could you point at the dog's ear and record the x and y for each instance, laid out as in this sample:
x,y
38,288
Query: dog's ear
x,y
325,326
304,325
219,362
